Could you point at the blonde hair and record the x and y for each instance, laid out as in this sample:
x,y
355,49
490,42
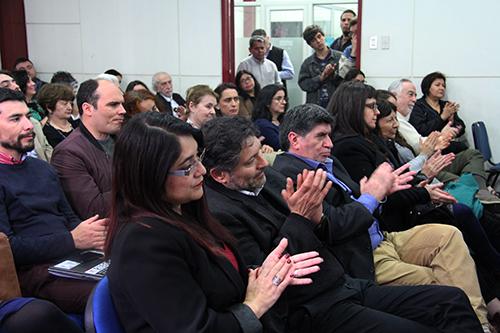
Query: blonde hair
x,y
196,93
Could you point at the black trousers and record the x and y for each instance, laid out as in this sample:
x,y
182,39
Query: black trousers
x,y
397,309
39,317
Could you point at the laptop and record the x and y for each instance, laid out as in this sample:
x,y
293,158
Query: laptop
x,y
85,265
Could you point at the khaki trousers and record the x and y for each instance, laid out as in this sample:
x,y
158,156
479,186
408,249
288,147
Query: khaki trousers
x,y
429,254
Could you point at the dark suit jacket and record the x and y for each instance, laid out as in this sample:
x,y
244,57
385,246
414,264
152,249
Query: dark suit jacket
x,y
164,106
161,280
347,230
257,231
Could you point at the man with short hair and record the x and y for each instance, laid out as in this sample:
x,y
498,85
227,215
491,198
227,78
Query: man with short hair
x,y
467,161
318,75
228,100
83,159
35,215
264,70
408,257
23,63
277,55
244,194
166,100
344,41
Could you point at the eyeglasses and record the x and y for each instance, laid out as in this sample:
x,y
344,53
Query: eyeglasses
x,y
372,106
281,99
191,167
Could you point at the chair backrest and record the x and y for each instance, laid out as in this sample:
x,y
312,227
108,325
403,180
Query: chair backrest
x,y
481,141
100,313
9,285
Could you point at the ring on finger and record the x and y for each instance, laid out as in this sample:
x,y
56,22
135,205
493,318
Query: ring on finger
x,y
276,280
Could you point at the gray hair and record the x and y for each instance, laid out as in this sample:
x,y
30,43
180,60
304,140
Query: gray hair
x,y
301,120
255,39
396,86
154,80
108,77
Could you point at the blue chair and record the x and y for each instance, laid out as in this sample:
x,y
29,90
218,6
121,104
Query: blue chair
x,y
100,313
482,143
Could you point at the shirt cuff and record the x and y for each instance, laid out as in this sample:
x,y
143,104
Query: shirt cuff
x,y
368,201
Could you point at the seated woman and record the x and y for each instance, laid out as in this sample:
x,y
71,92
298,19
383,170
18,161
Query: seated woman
x,y
200,103
57,101
228,101
248,90
28,88
355,75
173,267
269,108
138,101
361,151
431,112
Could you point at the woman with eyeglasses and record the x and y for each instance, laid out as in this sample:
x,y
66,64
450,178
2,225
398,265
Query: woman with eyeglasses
x,y
174,268
269,109
248,90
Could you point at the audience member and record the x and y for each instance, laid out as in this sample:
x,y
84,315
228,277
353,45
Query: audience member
x,y
83,159
228,101
277,55
136,85
318,75
344,40
23,63
167,250
138,101
348,59
117,74
248,89
404,258
269,109
57,101
28,88
201,102
355,75
35,215
68,79
166,100
43,150
431,112
264,70
108,77
468,160
244,194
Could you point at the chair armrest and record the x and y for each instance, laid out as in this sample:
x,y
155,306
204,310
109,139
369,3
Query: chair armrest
x,y
9,284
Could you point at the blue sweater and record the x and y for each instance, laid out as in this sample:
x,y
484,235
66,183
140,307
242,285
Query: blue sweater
x,y
34,213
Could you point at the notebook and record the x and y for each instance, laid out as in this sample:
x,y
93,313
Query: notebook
x,y
86,265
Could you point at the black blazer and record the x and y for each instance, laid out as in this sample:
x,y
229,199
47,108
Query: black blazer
x,y
361,157
164,106
257,231
163,281
347,230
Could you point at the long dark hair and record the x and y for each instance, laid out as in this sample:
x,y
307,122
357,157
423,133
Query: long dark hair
x,y
347,106
146,149
264,100
243,94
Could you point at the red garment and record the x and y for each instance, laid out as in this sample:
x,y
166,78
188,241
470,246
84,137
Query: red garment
x,y
7,159
229,254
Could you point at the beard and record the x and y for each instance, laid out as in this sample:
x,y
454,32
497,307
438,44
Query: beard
x,y
248,184
18,144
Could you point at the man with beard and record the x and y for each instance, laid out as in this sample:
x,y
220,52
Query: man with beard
x,y
83,159
244,195
35,215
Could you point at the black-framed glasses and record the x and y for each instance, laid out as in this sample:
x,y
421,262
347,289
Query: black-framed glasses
x,y
372,106
191,167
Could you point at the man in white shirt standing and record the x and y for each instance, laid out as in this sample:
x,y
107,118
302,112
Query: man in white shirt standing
x,y
264,70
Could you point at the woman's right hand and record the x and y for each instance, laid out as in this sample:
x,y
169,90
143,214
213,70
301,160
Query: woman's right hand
x,y
450,108
428,146
279,270
438,195
436,163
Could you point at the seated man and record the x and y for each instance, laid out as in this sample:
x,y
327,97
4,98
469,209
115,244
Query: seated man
x,y
166,100
469,160
426,254
83,159
35,215
244,195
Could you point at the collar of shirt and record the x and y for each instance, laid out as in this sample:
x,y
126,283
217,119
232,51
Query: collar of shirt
x,y
251,193
259,61
168,99
7,159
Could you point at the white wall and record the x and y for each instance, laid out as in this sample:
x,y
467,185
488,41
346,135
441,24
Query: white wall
x,y
138,38
455,37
